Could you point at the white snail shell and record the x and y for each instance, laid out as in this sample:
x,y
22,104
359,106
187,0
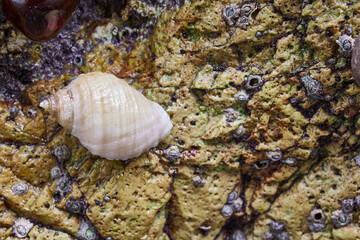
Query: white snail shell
x,y
109,117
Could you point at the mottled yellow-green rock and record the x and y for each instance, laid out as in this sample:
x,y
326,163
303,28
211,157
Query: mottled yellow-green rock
x,y
7,217
194,62
41,233
200,206
25,125
35,203
5,232
31,163
332,180
346,233
129,204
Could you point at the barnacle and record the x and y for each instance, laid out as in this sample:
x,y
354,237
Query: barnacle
x,y
313,87
55,172
227,210
289,160
238,235
199,181
239,16
231,13
173,153
357,160
277,227
274,155
237,204
20,188
340,218
22,227
239,132
253,81
267,236
62,153
73,206
261,165
231,114
87,232
347,205
241,96
346,43
232,197
277,231
316,220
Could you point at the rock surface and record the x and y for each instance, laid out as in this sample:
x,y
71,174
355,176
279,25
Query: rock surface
x,y
264,108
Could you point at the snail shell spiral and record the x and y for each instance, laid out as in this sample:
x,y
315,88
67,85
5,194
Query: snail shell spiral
x,y
109,117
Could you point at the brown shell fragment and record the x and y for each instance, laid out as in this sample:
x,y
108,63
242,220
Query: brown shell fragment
x,y
355,61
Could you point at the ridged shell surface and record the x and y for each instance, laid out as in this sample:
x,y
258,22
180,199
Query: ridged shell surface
x,y
109,117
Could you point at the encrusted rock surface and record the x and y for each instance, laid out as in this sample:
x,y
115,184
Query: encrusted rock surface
x,y
266,133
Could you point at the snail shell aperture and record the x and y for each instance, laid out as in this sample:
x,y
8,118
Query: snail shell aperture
x,y
109,117
355,61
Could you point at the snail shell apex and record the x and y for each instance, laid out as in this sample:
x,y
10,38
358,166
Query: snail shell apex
x,y
109,117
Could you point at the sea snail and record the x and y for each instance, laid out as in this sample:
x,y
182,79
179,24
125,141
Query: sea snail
x,y
109,117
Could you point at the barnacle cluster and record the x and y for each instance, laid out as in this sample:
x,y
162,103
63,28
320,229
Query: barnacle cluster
x,y
239,15
277,231
233,205
264,103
